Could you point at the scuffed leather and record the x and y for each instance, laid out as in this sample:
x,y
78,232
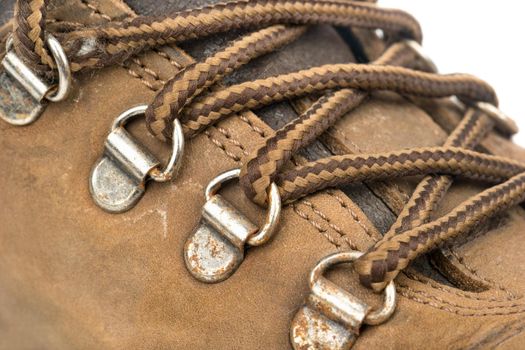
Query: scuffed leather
x,y
72,276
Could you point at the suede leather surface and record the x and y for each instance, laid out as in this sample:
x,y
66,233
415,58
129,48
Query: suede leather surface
x,y
72,276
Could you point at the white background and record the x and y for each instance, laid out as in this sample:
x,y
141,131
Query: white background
x,y
483,38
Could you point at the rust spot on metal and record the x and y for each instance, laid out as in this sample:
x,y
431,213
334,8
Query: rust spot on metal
x,y
311,330
210,257
330,317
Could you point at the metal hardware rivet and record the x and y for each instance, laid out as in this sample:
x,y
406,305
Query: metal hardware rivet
x,y
331,317
215,249
118,179
23,94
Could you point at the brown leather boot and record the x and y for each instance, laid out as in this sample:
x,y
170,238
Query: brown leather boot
x,y
75,276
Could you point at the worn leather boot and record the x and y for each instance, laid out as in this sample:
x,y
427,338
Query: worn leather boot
x,y
76,276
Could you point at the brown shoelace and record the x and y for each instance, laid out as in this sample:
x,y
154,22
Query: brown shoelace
x,y
189,97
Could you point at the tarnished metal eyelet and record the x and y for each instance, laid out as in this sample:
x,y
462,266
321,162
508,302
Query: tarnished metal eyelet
x,y
503,123
215,249
331,317
118,179
64,71
22,93
274,206
418,49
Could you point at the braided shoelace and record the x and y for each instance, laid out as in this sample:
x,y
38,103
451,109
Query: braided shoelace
x,y
189,97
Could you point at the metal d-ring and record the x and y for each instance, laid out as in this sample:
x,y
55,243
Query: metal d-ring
x,y
331,317
264,234
216,247
64,70
34,85
374,317
174,163
23,93
177,149
119,177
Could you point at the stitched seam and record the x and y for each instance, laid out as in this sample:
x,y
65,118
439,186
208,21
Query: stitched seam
x,y
473,271
147,70
333,226
406,290
167,57
255,128
151,72
315,224
95,10
491,307
351,212
232,140
140,77
222,146
404,293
